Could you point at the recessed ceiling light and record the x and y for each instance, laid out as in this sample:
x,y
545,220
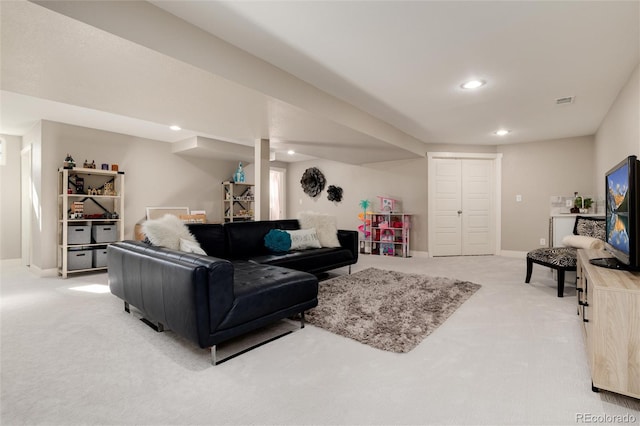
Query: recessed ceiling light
x,y
473,84
291,152
502,132
175,128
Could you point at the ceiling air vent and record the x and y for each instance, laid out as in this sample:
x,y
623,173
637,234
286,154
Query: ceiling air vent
x,y
565,100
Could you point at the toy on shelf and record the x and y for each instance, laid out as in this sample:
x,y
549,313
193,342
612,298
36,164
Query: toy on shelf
x,y
77,210
387,249
387,235
108,189
364,205
387,204
366,223
68,162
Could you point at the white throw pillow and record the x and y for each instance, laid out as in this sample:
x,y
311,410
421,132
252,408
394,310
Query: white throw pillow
x,y
302,239
167,231
583,242
191,247
325,226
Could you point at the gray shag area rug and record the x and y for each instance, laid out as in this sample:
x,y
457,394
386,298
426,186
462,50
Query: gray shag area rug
x,y
388,310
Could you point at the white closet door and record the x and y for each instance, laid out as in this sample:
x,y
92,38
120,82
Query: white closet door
x,y
463,207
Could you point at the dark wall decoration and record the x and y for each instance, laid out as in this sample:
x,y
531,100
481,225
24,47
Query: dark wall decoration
x,y
312,181
334,193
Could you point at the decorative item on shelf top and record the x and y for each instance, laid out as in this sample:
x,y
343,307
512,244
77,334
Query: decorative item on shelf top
x,y
387,204
582,204
88,165
104,166
312,181
334,193
238,176
68,162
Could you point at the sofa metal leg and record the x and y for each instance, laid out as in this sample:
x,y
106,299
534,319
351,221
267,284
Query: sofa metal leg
x,y
126,307
213,355
302,320
159,327
349,269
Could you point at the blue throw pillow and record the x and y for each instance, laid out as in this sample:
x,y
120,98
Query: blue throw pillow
x,y
277,241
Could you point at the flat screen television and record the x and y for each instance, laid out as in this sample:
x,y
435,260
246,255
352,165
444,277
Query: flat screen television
x,y
622,185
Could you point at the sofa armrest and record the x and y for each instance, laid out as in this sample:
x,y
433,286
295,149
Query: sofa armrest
x,y
349,240
188,293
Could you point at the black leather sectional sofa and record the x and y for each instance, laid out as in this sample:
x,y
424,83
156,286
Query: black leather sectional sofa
x,y
239,286
245,241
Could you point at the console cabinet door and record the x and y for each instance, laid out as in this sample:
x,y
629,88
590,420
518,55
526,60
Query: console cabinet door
x,y
616,342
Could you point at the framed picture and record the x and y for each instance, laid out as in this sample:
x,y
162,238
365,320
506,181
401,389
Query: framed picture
x,y
387,204
158,212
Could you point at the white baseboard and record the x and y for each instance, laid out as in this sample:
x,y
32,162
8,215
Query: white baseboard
x,y
513,253
51,272
416,253
506,253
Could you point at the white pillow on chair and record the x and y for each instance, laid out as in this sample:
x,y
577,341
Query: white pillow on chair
x,y
583,242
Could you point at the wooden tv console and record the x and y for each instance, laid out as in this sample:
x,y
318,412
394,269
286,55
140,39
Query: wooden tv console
x,y
609,308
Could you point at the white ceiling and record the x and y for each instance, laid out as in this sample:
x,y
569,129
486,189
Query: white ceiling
x,y
393,70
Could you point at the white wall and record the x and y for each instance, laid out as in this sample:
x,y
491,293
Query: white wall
x,y
537,171
10,196
405,180
153,177
33,139
619,133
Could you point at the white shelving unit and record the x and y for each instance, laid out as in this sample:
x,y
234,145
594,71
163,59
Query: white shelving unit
x,y
101,211
237,201
389,234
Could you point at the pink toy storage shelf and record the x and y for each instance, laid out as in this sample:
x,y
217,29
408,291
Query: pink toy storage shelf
x,y
386,234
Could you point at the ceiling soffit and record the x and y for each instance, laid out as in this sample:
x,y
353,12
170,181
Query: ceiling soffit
x,y
230,68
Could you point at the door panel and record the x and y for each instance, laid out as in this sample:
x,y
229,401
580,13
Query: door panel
x,y
463,211
448,202
477,189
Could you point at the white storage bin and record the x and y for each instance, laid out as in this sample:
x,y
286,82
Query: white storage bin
x,y
79,234
104,233
79,259
100,257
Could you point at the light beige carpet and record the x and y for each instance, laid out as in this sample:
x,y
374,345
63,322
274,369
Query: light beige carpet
x,y
389,310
